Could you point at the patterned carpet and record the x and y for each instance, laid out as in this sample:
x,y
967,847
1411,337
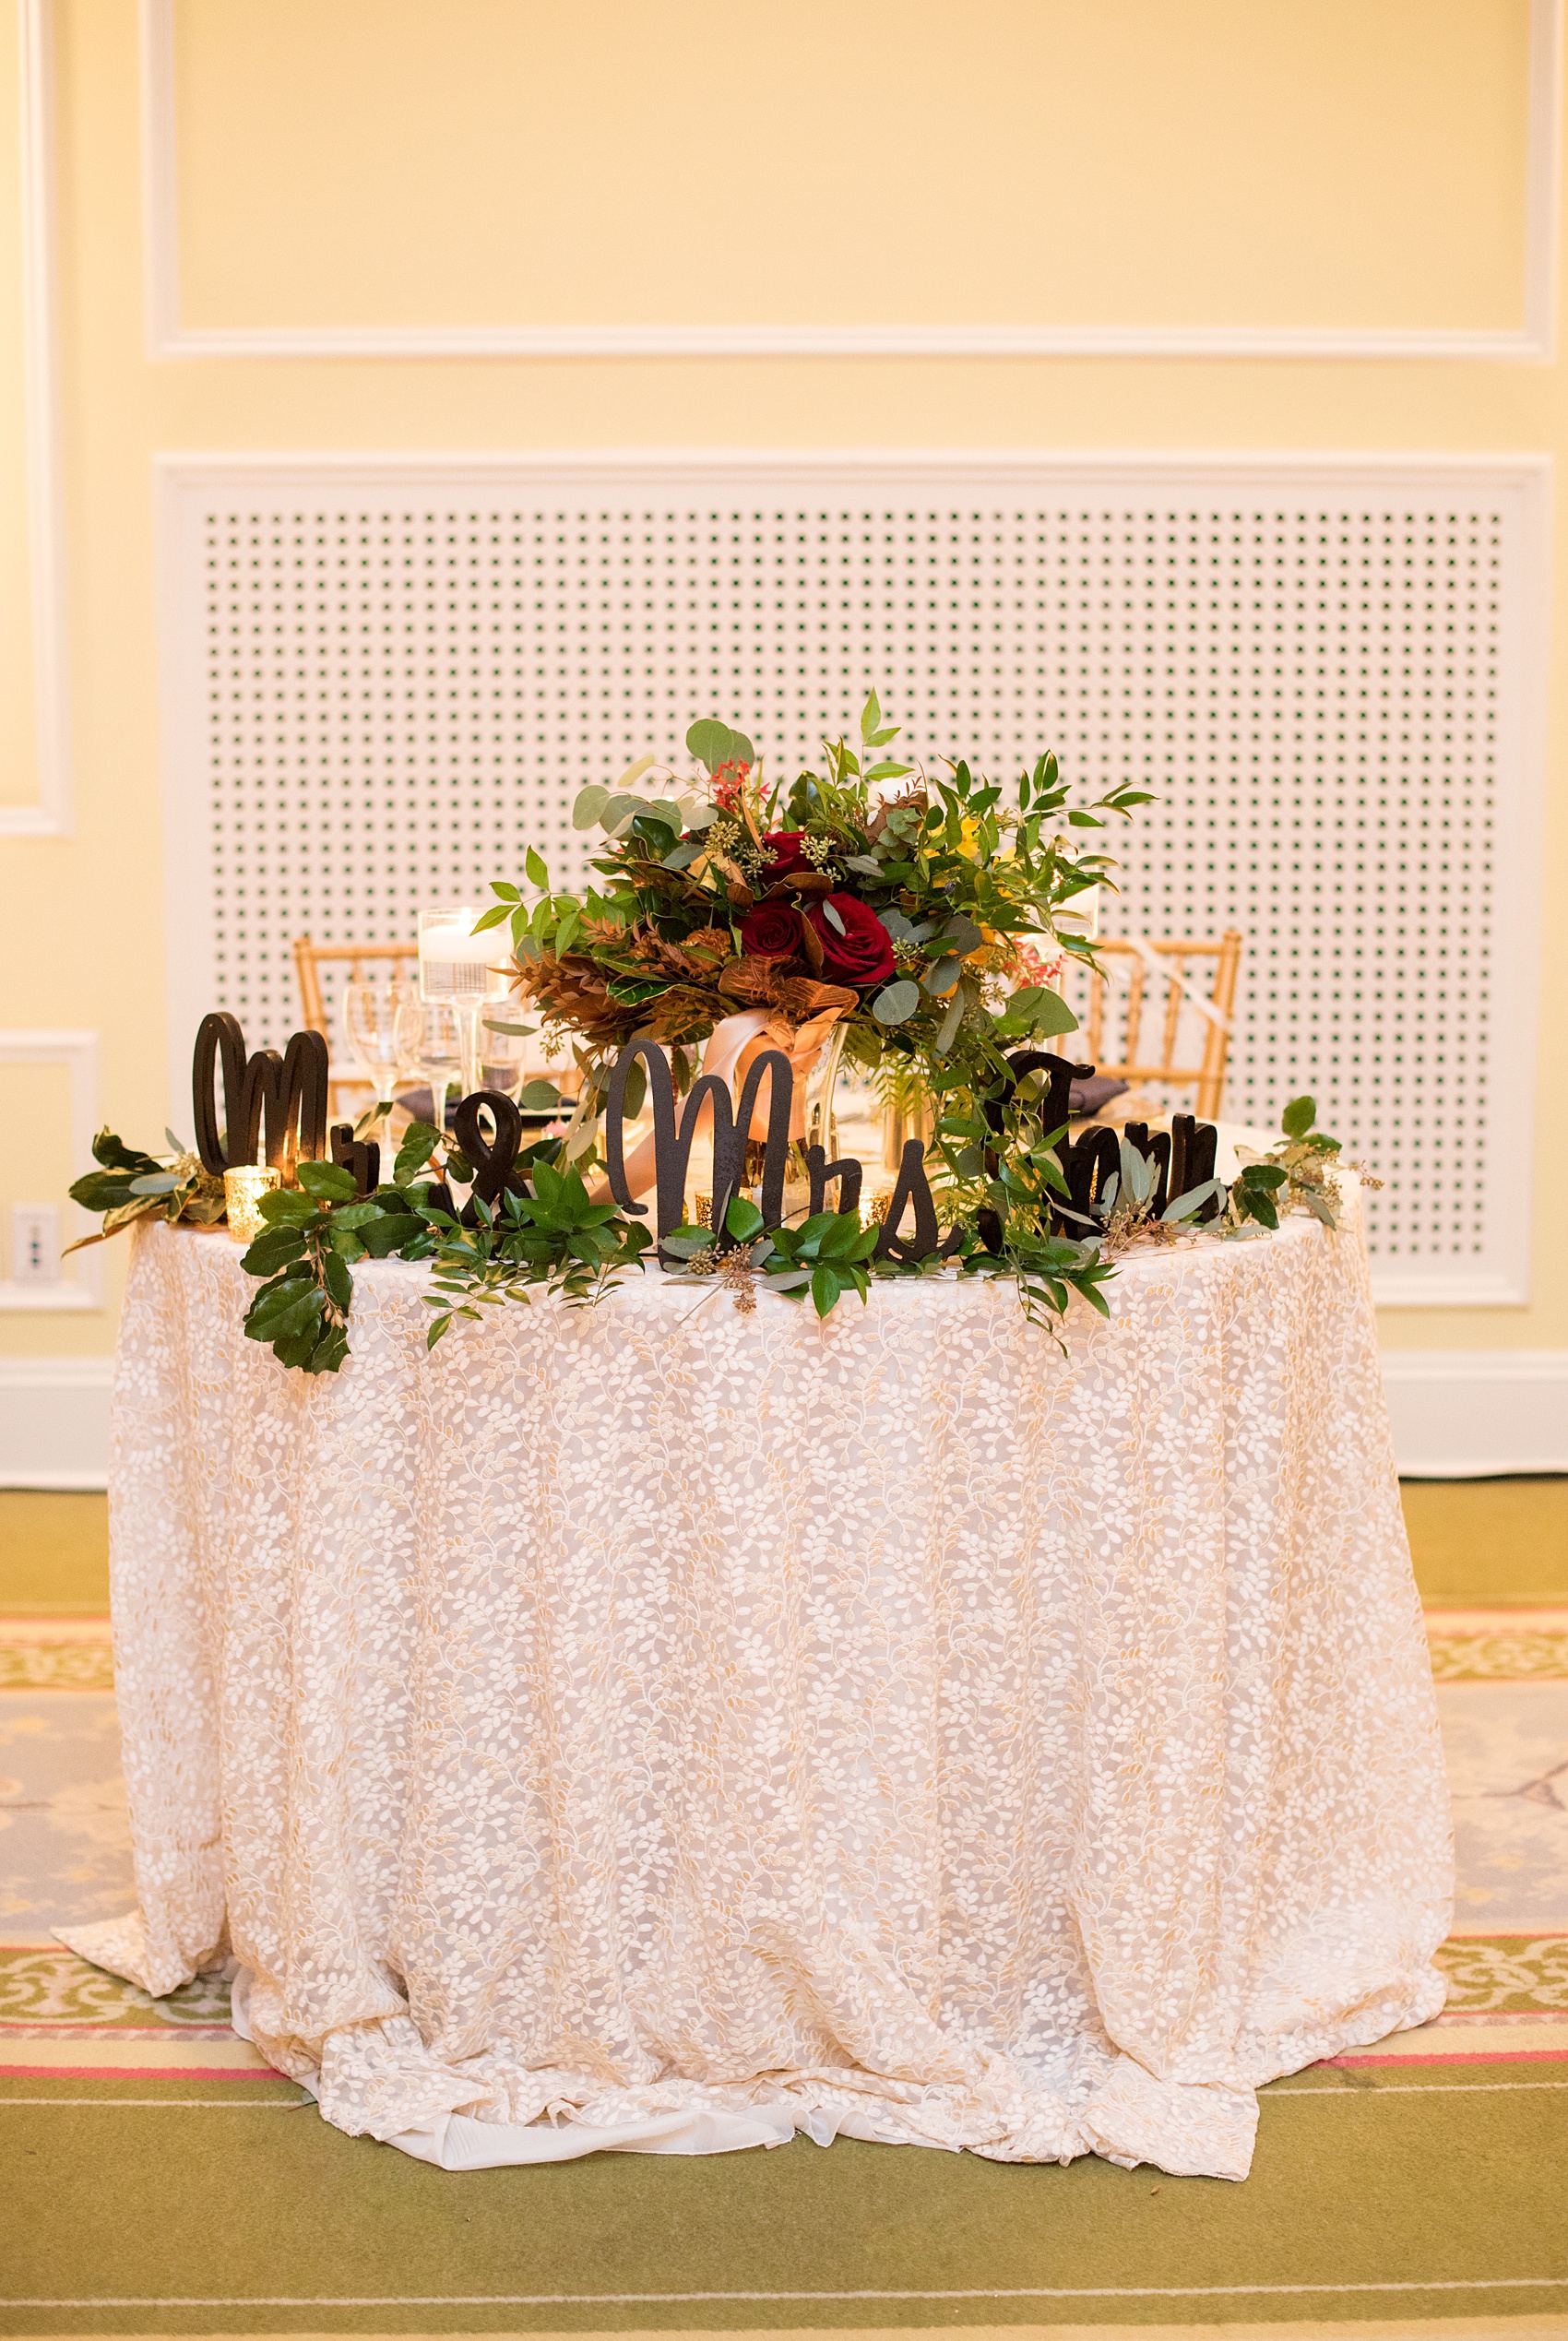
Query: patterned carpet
x,y
162,2180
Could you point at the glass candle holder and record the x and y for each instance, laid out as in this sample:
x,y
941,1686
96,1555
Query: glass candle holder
x,y
457,964
243,1190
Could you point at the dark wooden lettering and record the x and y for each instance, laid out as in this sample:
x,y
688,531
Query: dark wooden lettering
x,y
673,1145
1090,1161
362,1156
1192,1149
847,1174
491,1160
286,1093
912,1187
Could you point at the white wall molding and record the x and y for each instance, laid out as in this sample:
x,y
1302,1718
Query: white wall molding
x,y
1533,339
54,1422
51,816
78,1051
1471,1414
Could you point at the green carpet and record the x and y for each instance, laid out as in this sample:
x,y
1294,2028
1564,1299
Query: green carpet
x,y
54,1554
1487,1544
1369,2198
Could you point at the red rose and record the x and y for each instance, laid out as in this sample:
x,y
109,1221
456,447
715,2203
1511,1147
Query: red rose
x,y
864,951
784,845
771,931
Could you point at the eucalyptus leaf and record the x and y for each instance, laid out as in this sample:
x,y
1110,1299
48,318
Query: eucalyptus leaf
x,y
1186,1206
939,979
713,743
962,933
1298,1117
951,1022
895,1003
588,805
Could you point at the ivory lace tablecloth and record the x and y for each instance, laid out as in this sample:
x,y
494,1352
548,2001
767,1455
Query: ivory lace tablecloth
x,y
653,1725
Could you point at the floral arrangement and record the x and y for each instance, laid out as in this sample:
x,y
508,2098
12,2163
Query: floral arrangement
x,y
921,912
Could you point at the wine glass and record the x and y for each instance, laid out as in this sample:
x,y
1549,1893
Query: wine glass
x,y
438,1052
500,1060
381,1020
465,970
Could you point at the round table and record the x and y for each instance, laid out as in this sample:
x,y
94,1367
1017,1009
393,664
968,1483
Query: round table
x,y
658,1726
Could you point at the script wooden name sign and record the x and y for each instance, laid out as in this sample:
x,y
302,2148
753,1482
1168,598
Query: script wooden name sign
x,y
1182,1157
284,1099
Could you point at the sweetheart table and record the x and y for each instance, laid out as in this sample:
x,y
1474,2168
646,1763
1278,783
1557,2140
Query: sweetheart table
x,y
657,1725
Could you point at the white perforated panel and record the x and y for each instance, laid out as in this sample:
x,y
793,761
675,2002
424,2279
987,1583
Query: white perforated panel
x,y
390,687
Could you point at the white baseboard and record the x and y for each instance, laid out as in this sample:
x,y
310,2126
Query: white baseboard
x,y
1475,1414
1459,1414
54,1422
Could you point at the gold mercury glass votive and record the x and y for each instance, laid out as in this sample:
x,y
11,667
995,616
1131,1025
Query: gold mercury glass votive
x,y
243,1191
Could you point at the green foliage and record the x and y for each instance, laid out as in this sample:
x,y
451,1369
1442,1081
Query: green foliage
x,y
314,1232
1295,1175
826,1256
554,1238
714,744
130,1185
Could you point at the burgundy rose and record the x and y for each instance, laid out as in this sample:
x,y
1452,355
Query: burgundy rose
x,y
771,931
784,845
864,951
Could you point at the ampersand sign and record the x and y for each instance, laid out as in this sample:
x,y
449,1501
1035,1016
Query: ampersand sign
x,y
491,1160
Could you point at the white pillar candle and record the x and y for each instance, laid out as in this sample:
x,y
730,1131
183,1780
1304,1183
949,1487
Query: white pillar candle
x,y
456,964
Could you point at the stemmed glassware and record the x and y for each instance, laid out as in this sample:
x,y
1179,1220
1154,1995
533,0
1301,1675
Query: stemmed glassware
x,y
383,1020
461,970
500,1060
438,1056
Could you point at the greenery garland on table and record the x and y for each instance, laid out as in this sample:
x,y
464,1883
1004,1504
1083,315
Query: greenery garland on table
x,y
921,913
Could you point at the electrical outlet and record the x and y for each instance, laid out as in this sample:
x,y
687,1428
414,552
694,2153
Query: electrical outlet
x,y
35,1243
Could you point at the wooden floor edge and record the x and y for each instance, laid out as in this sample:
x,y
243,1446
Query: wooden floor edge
x,y
1521,2328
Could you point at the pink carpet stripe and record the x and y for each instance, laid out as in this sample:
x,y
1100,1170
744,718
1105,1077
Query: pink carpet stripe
x,y
136,2073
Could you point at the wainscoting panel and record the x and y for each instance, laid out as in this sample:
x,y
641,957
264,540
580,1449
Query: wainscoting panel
x,y
385,679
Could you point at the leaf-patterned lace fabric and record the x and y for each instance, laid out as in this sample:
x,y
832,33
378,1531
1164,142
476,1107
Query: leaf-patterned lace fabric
x,y
656,1724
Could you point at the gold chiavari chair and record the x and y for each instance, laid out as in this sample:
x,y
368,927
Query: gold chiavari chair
x,y
1149,965
347,960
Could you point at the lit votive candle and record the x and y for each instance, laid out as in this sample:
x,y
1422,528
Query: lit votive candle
x,y
243,1190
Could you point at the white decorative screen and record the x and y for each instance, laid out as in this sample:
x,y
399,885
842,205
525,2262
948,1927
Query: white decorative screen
x,y
390,681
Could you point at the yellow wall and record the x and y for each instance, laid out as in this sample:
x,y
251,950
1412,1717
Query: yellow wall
x,y
1291,162
19,777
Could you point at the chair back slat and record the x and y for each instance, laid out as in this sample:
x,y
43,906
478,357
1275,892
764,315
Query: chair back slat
x,y
1127,964
387,958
